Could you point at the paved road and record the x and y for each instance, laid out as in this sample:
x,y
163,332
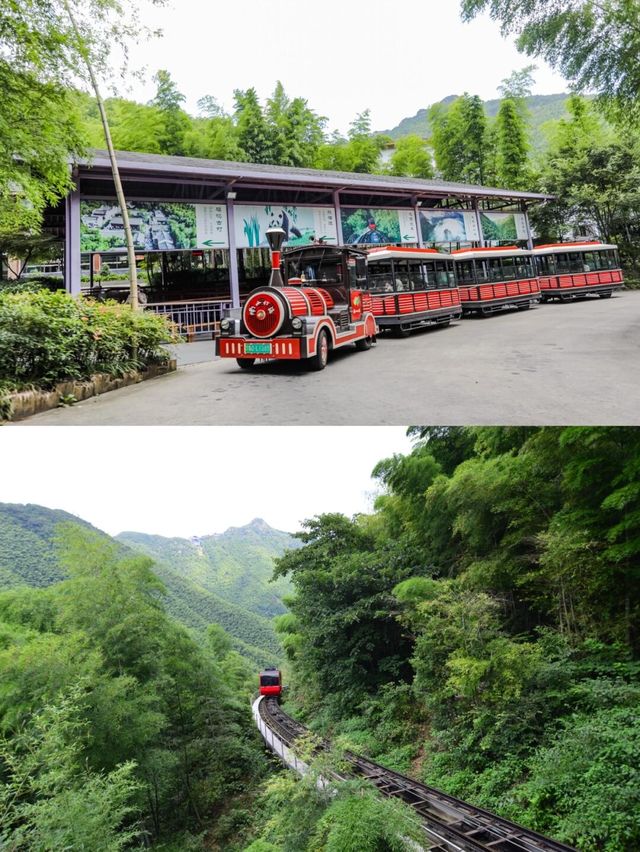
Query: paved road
x,y
556,364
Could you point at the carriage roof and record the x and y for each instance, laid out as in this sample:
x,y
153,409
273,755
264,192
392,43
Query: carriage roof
x,y
563,248
401,253
487,252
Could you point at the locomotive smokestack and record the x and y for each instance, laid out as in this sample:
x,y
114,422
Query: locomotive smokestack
x,y
275,238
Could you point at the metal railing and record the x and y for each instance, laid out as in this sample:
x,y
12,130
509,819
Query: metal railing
x,y
193,319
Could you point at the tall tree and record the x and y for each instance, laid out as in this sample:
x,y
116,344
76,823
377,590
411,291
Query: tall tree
x,y
254,136
593,44
412,158
512,146
175,123
459,139
56,43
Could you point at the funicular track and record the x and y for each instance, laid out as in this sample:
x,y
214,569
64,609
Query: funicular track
x,y
451,824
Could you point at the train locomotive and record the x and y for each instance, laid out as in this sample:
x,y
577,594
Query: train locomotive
x,y
270,682
567,271
323,306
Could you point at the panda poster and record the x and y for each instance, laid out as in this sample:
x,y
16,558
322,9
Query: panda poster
x,y
449,226
302,225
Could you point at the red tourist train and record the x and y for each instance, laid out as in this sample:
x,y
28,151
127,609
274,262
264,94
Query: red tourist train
x,y
323,306
494,278
270,682
411,288
571,270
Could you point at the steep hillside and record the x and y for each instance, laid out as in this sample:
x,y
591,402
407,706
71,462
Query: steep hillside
x,y
27,557
235,565
542,108
26,535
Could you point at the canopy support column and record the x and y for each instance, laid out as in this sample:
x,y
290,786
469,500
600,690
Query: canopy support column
x,y
72,269
234,280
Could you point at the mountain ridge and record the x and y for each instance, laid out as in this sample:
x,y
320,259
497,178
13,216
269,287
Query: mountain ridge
x,y
27,557
542,108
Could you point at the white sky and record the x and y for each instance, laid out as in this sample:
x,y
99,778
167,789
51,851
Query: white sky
x,y
343,57
189,480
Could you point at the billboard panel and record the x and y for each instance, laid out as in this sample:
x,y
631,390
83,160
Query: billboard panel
x,y
378,226
302,225
449,226
503,227
156,226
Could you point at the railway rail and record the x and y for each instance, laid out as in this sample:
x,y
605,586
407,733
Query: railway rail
x,y
450,824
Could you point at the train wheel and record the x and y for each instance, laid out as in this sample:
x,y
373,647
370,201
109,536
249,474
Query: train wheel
x,y
245,363
605,295
363,345
319,360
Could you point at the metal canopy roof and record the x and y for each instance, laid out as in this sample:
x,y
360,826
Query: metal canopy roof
x,y
231,174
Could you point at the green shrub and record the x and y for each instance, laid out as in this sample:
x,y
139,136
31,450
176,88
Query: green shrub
x,y
47,337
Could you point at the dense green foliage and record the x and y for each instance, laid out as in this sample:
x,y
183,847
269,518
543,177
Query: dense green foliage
x,y
115,724
481,627
308,816
48,337
593,44
199,591
235,565
41,130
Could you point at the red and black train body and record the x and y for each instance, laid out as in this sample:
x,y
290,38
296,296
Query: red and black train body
x,y
270,682
568,271
323,306
411,288
491,279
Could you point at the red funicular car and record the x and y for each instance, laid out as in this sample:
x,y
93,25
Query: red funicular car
x,y
571,270
494,278
412,287
323,306
270,681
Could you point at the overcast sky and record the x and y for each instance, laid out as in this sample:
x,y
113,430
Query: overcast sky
x,y
343,57
183,481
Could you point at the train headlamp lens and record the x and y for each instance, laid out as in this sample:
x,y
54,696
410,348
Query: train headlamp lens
x,y
225,325
296,323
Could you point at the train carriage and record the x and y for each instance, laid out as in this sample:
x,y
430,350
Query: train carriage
x,y
323,306
270,682
491,279
568,271
412,288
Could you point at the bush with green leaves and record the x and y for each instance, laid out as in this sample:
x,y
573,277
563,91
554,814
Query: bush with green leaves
x,y
48,337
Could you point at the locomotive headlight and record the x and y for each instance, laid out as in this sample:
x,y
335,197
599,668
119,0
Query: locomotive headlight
x,y
225,325
296,324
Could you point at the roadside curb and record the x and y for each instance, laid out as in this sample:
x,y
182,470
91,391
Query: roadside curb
x,y
23,404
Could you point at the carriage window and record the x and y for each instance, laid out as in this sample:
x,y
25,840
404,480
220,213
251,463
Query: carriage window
x,y
269,680
563,263
465,272
381,277
482,271
451,274
509,268
493,266
546,264
417,278
401,276
441,277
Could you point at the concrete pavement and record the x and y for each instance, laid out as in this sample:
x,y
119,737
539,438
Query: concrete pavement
x,y
575,363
